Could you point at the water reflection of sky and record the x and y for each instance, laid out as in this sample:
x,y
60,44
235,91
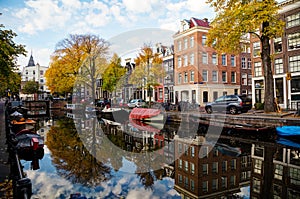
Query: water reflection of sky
x,y
46,183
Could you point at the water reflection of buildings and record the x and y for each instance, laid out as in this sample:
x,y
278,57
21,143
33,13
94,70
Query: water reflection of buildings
x,y
206,171
281,167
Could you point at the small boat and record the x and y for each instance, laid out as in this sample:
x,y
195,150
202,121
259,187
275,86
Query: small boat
x,y
147,114
288,131
143,126
288,142
117,114
29,145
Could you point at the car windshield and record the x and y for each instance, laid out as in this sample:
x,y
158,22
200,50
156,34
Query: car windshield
x,y
132,101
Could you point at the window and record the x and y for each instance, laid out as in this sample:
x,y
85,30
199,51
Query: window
x,y
41,80
186,149
257,166
41,72
278,173
257,69
192,41
215,184
249,63
224,60
232,59
186,182
33,72
214,58
204,151
233,77
256,49
179,78
192,151
294,175
215,95
192,185
179,62
294,63
186,165
244,79
192,58
232,180
256,185
26,72
224,76
224,182
204,58
205,186
192,74
185,43
185,77
224,166
293,20
160,93
278,45
204,75
233,164
179,45
180,163
179,178
278,66
294,41
192,168
179,148
205,96
41,87
205,169
203,40
215,167
243,62
215,76
185,60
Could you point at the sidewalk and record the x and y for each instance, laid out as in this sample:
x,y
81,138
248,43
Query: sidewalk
x,y
4,166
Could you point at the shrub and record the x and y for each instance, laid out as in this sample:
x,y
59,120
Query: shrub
x,y
259,106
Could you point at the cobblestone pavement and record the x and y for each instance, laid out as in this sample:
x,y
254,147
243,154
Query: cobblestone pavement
x,y
4,165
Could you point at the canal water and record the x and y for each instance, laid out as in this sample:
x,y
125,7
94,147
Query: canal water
x,y
102,158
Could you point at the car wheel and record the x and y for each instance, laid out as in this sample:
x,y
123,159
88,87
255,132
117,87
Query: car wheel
x,y
232,110
208,110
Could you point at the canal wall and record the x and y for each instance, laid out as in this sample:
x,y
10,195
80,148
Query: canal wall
x,y
256,119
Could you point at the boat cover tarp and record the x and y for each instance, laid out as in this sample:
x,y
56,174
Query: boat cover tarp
x,y
288,130
143,113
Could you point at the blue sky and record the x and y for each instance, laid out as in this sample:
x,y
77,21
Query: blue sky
x,y
41,24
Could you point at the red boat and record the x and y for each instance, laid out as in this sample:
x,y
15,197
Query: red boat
x,y
147,114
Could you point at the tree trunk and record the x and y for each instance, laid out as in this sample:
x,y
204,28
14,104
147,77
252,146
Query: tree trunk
x,y
268,76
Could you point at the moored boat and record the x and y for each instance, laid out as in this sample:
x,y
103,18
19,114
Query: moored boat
x,y
147,114
288,131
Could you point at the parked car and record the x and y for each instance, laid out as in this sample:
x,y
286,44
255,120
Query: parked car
x,y
230,103
136,103
102,103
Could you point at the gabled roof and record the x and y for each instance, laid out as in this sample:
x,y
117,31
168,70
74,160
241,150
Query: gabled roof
x,y
199,22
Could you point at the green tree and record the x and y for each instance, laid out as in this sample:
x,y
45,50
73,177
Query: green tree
x,y
148,69
9,51
235,19
113,74
30,87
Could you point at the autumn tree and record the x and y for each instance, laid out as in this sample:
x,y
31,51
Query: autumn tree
x,y
235,19
9,51
79,58
148,70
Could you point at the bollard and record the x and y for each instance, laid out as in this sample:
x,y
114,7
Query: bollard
x,y
23,188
